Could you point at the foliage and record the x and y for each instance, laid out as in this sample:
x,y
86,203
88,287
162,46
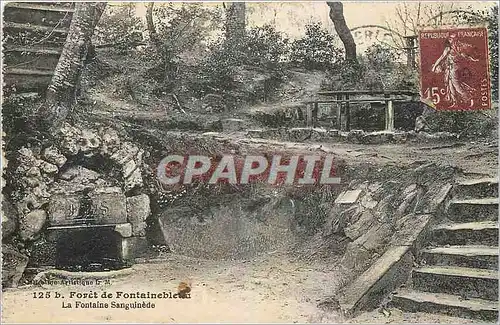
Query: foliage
x,y
493,44
185,27
466,124
119,26
262,47
316,50
265,46
380,66
182,29
380,56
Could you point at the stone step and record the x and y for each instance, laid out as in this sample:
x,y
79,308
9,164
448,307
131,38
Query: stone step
x,y
462,281
38,14
31,57
29,35
483,257
477,188
473,210
51,6
470,233
26,79
440,303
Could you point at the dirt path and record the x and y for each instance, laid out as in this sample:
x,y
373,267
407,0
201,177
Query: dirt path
x,y
266,289
476,159
271,288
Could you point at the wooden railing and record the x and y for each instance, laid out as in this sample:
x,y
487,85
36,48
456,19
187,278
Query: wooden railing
x,y
346,97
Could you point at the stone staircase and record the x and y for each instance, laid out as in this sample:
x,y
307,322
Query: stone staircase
x,y
457,274
33,37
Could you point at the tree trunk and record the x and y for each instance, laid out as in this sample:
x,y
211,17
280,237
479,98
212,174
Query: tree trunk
x,y
235,21
62,88
337,17
153,35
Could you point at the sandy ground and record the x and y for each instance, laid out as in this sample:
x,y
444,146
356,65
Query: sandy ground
x,y
270,288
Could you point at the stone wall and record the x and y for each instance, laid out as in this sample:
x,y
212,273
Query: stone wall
x,y
384,223
300,134
86,177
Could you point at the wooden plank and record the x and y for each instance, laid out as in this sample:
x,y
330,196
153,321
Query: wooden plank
x,y
29,72
35,28
33,49
27,82
31,6
389,116
38,17
367,92
82,226
380,101
38,59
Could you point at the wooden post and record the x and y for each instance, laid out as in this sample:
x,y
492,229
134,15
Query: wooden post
x,y
389,116
314,114
309,114
339,113
410,51
347,114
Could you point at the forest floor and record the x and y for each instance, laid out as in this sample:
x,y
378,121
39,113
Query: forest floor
x,y
271,288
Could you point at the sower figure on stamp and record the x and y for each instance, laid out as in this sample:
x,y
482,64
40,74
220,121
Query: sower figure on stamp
x,y
457,91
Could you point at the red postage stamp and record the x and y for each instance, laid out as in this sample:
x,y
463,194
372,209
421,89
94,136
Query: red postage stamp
x,y
454,68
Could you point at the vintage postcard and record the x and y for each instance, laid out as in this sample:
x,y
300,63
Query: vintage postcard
x,y
250,162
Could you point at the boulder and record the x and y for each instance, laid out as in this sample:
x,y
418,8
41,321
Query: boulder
x,y
409,197
70,137
13,266
79,174
361,226
355,136
89,141
348,197
26,160
433,199
356,259
128,168
9,219
134,180
376,238
254,133
31,224
409,228
214,103
338,219
41,191
28,203
48,168
33,172
110,141
134,247
126,153
54,156
234,124
380,137
138,209
63,209
124,229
